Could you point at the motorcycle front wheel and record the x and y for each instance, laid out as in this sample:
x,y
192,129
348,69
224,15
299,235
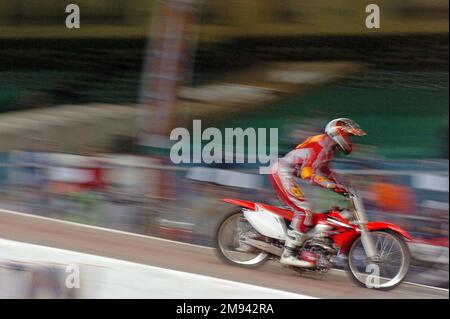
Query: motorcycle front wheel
x,y
230,247
390,267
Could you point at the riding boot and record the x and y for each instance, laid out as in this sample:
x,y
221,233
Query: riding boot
x,y
294,239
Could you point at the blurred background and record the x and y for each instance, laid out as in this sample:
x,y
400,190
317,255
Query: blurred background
x,y
85,114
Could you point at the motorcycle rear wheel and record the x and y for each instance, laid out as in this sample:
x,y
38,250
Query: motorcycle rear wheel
x,y
228,243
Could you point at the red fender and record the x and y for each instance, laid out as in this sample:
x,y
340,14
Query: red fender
x,y
382,225
345,240
285,213
240,202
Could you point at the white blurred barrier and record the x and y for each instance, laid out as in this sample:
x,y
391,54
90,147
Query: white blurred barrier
x,y
102,277
20,280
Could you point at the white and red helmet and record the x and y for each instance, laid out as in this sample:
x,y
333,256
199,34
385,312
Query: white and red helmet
x,y
340,130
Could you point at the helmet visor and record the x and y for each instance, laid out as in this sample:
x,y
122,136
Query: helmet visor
x,y
353,128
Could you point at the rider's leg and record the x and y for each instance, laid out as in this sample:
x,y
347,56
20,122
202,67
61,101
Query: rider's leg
x,y
296,236
289,193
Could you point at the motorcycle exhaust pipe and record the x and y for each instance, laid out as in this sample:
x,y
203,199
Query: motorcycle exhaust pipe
x,y
277,251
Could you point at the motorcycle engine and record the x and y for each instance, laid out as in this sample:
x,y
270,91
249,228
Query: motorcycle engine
x,y
323,248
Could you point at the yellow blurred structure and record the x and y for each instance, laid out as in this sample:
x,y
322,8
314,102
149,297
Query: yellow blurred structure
x,y
224,19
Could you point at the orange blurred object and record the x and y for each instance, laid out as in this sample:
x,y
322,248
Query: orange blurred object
x,y
390,197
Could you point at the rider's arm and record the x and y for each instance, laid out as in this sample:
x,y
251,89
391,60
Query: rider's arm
x,y
338,188
315,169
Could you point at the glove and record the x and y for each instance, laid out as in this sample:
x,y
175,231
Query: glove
x,y
342,191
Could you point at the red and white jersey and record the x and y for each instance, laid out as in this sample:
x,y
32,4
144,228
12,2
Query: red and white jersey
x,y
310,160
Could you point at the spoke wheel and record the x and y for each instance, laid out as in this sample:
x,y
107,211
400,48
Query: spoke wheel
x,y
229,242
390,266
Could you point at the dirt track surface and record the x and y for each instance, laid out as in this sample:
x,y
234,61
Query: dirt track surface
x,y
189,258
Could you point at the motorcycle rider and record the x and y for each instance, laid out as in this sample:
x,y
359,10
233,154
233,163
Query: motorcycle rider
x,y
310,161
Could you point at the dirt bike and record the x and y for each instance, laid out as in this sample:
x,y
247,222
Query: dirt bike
x,y
376,253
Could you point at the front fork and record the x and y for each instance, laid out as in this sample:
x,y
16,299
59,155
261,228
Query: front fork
x,y
366,239
367,243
